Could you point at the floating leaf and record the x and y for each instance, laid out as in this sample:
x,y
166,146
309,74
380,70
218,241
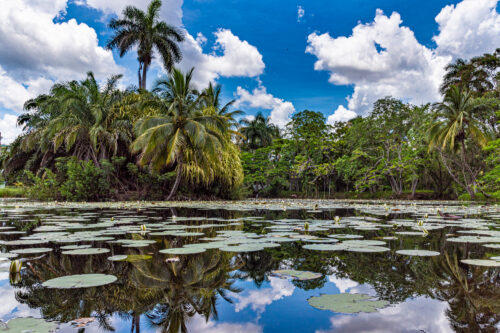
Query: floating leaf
x,y
347,303
481,262
33,250
183,250
418,253
80,281
29,325
87,251
299,275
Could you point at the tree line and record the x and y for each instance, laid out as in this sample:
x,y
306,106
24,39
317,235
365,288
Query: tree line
x,y
85,141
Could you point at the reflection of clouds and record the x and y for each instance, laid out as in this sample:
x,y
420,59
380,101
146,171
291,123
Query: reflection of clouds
x,y
9,307
258,299
198,324
416,315
342,284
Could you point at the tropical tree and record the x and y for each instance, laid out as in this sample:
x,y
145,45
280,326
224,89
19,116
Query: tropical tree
x,y
180,135
259,132
147,33
455,125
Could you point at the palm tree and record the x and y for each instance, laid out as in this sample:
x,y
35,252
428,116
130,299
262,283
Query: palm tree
x,y
86,125
455,121
181,134
144,30
259,132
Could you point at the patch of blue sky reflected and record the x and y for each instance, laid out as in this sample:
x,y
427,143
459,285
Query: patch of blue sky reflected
x,y
9,306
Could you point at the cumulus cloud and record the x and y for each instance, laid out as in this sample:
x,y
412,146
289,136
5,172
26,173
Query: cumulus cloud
x,y
383,57
300,13
380,58
33,44
343,285
237,58
36,51
470,28
199,324
259,98
340,115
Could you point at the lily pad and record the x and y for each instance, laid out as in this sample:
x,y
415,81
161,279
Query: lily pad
x,y
87,251
347,303
183,250
33,250
31,325
80,281
298,275
481,262
418,253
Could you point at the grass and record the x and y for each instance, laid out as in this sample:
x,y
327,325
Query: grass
x,y
11,192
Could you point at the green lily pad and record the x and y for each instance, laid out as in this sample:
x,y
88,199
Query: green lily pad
x,y
418,253
87,251
325,247
298,275
33,250
75,247
183,250
31,325
347,303
120,257
481,262
242,248
80,281
8,255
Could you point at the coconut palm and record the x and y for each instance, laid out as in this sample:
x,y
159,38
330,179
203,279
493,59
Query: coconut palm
x,y
86,125
259,132
181,135
144,30
455,122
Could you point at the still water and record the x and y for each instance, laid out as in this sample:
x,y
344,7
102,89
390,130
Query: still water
x,y
225,272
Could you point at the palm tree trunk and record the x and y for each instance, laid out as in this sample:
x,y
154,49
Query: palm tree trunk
x,y
177,178
144,74
139,74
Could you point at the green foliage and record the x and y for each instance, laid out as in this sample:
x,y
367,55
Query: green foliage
x,y
11,192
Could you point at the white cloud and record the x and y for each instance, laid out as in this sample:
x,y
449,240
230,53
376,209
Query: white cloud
x,y
238,58
281,110
383,58
259,299
300,13
470,28
380,58
8,128
341,114
33,44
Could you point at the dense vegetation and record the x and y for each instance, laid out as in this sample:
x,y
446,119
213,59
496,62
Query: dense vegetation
x,y
83,141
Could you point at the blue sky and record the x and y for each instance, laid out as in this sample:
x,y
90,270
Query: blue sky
x,y
278,57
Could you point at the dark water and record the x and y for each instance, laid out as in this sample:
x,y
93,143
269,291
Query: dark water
x,y
219,291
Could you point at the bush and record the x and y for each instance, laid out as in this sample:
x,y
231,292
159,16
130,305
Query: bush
x,y
45,187
11,192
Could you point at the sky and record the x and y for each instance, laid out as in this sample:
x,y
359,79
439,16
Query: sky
x,y
277,57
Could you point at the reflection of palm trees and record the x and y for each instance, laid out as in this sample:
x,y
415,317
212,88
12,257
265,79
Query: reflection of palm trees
x,y
167,293
472,292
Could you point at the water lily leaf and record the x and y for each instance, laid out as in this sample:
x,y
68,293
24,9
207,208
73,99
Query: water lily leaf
x,y
481,262
31,325
87,251
418,253
183,250
242,248
33,250
80,281
347,303
298,275
75,247
120,257
9,255
325,247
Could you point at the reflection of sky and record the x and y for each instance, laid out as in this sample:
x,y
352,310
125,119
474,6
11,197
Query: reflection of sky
x,y
9,307
417,315
278,305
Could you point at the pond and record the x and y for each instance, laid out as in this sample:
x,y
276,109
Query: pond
x,y
253,266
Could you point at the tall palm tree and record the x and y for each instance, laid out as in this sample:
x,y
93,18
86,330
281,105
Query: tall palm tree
x,y
455,121
181,134
259,132
144,30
